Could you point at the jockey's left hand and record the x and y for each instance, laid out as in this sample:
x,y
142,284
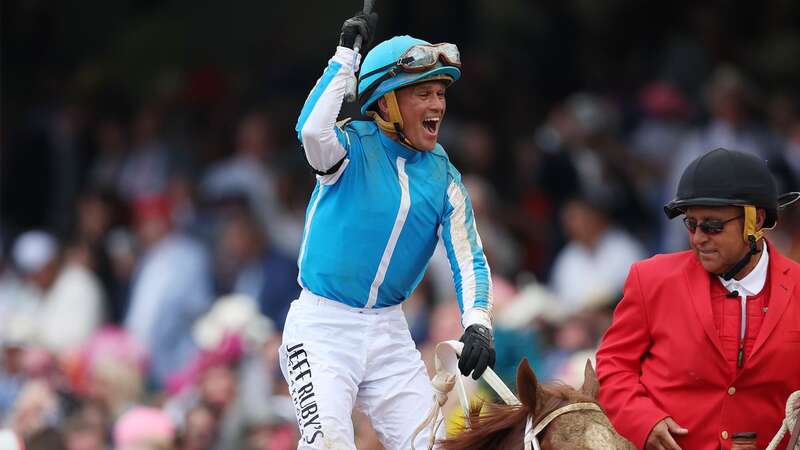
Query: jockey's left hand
x,y
478,352
360,24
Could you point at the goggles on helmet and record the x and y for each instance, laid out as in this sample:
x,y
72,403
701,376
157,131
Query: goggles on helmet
x,y
417,58
422,57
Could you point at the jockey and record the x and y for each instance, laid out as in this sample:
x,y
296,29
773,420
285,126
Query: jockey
x,y
385,194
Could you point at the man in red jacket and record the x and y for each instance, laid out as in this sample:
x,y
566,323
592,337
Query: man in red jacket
x,y
706,343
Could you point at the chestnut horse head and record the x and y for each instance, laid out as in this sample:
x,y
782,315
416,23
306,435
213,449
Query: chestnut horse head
x,y
583,426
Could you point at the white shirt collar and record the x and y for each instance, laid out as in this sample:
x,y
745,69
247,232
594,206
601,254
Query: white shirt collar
x,y
754,281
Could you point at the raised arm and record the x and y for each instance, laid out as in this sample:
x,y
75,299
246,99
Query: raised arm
x,y
326,145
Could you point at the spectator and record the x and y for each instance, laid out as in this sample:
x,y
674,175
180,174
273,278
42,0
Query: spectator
x,y
664,126
598,254
37,408
200,430
545,177
83,434
249,264
35,256
231,377
110,371
210,410
12,377
63,298
49,438
112,146
170,290
147,168
248,171
269,433
100,221
498,243
73,308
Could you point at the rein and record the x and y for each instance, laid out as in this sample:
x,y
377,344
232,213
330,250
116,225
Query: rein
x,y
791,423
444,380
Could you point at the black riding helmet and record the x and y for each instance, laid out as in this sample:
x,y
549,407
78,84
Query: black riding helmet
x,y
725,177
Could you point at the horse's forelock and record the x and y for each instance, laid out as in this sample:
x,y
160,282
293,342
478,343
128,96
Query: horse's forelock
x,y
495,427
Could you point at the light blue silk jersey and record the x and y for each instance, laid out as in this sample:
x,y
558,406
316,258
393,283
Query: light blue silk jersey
x,y
372,226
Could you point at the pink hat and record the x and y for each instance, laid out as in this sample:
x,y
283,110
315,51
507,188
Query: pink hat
x,y
143,425
228,351
111,343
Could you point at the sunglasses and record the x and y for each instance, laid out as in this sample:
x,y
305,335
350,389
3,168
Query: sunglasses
x,y
710,226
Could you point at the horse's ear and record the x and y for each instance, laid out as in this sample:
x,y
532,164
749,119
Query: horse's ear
x,y
527,385
591,386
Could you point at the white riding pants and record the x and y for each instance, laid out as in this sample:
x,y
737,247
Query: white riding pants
x,y
336,357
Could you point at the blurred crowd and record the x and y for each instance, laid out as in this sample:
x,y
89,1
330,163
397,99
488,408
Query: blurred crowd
x,y
148,242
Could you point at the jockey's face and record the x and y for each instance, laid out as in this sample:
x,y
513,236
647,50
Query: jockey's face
x,y
422,106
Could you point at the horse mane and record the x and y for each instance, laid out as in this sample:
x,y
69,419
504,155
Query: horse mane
x,y
501,426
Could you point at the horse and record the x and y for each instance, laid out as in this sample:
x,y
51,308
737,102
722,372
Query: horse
x,y
581,426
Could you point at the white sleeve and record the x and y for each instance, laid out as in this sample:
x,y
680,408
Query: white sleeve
x,y
325,144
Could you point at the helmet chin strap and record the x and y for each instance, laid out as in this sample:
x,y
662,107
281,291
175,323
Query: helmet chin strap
x,y
393,126
751,236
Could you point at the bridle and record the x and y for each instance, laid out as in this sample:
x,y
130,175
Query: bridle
x,y
444,380
531,440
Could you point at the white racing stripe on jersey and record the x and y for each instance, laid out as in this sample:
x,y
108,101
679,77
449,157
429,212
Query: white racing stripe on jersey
x,y
399,221
461,248
305,235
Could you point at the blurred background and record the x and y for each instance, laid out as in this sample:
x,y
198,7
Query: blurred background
x,y
152,191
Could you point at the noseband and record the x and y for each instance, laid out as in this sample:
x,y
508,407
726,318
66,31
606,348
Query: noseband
x,y
531,440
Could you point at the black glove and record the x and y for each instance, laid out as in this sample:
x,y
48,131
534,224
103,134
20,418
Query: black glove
x,y
360,24
478,352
